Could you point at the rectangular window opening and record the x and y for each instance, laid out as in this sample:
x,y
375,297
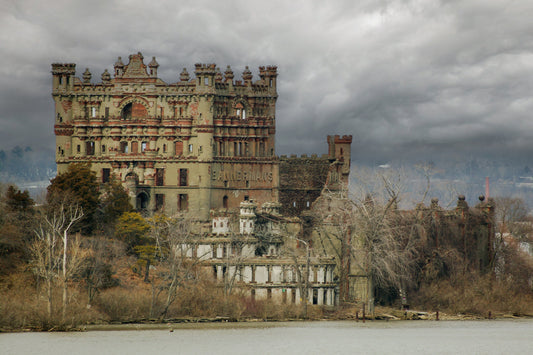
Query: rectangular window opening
x,y
159,177
183,202
124,147
159,202
183,176
106,174
89,148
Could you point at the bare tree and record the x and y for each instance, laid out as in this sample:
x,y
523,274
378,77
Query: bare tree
x,y
301,267
234,256
515,229
176,246
512,217
366,231
52,255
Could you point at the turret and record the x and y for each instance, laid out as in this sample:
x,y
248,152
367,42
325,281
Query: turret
x,y
184,75
119,67
339,149
106,77
247,76
205,75
87,76
268,75
228,75
153,65
63,76
218,76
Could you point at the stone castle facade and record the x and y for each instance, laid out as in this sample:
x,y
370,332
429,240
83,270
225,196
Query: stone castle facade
x,y
199,144
206,145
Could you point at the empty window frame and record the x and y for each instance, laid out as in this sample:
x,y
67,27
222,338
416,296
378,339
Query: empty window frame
x,y
89,148
183,177
106,175
159,177
225,202
183,202
159,202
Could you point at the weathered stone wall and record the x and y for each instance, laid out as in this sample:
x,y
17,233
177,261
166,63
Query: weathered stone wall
x,y
301,182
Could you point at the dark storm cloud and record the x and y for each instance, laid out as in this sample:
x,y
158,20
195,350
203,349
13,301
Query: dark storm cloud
x,y
410,80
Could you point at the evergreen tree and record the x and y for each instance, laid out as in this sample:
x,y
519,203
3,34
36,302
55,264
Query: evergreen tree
x,y
114,201
79,185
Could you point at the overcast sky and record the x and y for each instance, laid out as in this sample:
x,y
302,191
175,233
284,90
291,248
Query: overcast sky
x,y
410,80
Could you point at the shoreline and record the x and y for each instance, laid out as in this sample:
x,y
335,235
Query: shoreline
x,y
383,315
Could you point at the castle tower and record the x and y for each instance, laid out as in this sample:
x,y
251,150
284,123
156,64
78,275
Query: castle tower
x,y
339,149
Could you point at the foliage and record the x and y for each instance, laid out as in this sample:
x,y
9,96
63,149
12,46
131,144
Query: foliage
x,y
473,293
17,201
132,229
97,273
79,183
16,220
114,201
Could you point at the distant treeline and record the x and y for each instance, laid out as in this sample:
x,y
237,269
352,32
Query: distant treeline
x,y
26,164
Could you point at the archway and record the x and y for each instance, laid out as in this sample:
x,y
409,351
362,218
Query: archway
x,y
134,111
225,202
142,201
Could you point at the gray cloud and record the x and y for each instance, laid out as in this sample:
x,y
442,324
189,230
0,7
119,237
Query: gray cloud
x,y
410,80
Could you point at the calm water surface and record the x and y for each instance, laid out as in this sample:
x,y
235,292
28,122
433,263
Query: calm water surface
x,y
400,337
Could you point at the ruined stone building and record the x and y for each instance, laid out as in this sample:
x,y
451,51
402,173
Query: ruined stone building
x,y
198,144
203,144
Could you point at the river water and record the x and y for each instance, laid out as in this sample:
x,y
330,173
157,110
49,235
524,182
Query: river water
x,y
339,337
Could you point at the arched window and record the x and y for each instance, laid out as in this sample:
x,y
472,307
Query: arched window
x,y
134,111
225,202
240,111
126,112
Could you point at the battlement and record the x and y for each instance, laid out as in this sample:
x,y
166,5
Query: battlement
x,y
346,139
137,69
205,69
63,68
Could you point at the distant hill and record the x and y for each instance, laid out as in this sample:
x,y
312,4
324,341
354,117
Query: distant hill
x,y
27,168
32,169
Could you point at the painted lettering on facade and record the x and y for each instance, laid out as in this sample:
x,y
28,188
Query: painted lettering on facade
x,y
231,175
